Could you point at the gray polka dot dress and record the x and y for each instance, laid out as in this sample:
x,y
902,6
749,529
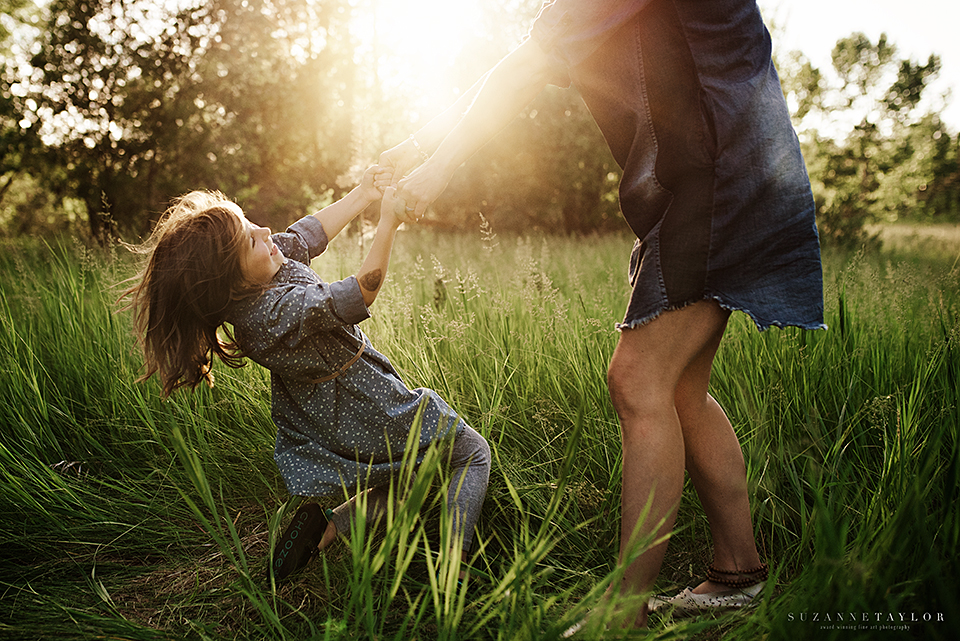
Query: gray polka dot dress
x,y
349,432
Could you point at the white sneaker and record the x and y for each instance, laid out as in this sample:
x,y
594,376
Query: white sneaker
x,y
573,629
690,602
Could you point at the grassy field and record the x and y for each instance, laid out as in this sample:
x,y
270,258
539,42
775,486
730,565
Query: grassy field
x,y
126,517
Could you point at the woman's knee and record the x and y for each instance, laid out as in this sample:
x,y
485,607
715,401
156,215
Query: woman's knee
x,y
635,388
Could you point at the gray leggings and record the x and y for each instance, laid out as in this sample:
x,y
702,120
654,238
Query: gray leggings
x,y
470,471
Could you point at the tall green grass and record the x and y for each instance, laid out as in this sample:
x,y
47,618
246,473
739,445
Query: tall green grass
x,y
124,516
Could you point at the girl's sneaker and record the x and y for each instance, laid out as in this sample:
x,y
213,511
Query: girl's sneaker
x,y
299,541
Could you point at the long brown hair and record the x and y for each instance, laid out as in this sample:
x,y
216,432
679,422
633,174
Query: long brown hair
x,y
184,293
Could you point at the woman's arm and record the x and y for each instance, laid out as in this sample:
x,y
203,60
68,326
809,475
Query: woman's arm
x,y
373,271
506,90
336,216
400,159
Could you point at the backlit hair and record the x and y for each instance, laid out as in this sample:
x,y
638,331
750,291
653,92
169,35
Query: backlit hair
x,y
184,293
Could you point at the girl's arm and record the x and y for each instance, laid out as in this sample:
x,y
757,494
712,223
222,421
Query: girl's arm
x,y
336,216
373,271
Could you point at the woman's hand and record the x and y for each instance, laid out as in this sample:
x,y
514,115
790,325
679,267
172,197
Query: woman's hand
x,y
418,190
400,159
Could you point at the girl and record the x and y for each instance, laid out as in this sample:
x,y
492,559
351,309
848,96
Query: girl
x,y
342,411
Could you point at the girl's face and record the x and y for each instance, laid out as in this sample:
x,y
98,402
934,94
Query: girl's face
x,y
260,259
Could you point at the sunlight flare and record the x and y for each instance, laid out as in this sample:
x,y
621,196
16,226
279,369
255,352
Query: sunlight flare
x,y
414,46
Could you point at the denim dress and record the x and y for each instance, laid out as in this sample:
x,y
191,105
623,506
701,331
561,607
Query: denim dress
x,y
348,432
714,185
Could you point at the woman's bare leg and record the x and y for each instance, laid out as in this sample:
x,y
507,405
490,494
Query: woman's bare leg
x,y
714,461
658,380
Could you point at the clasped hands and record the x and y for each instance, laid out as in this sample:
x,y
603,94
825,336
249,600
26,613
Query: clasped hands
x,y
415,190
383,181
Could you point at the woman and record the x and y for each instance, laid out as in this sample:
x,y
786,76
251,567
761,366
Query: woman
x,y
715,189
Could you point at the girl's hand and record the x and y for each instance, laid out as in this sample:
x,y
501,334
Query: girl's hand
x,y
375,179
388,213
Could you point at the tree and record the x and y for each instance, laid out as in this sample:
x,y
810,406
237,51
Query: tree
x,y
17,141
549,169
271,101
117,81
142,101
13,10
876,170
938,197
280,102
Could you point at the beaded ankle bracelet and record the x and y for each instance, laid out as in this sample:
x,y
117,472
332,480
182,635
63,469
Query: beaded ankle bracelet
x,y
739,578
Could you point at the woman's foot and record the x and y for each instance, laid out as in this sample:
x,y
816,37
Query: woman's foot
x,y
709,586
692,600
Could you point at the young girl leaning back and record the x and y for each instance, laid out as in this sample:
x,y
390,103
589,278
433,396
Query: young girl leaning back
x,y
342,411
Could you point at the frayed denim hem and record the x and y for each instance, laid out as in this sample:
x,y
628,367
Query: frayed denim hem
x,y
730,307
649,318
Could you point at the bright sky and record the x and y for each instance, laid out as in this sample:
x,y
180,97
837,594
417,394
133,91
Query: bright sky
x,y
428,33
917,28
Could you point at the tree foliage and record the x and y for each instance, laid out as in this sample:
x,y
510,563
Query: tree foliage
x,y
550,169
107,91
895,161
142,101
16,145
